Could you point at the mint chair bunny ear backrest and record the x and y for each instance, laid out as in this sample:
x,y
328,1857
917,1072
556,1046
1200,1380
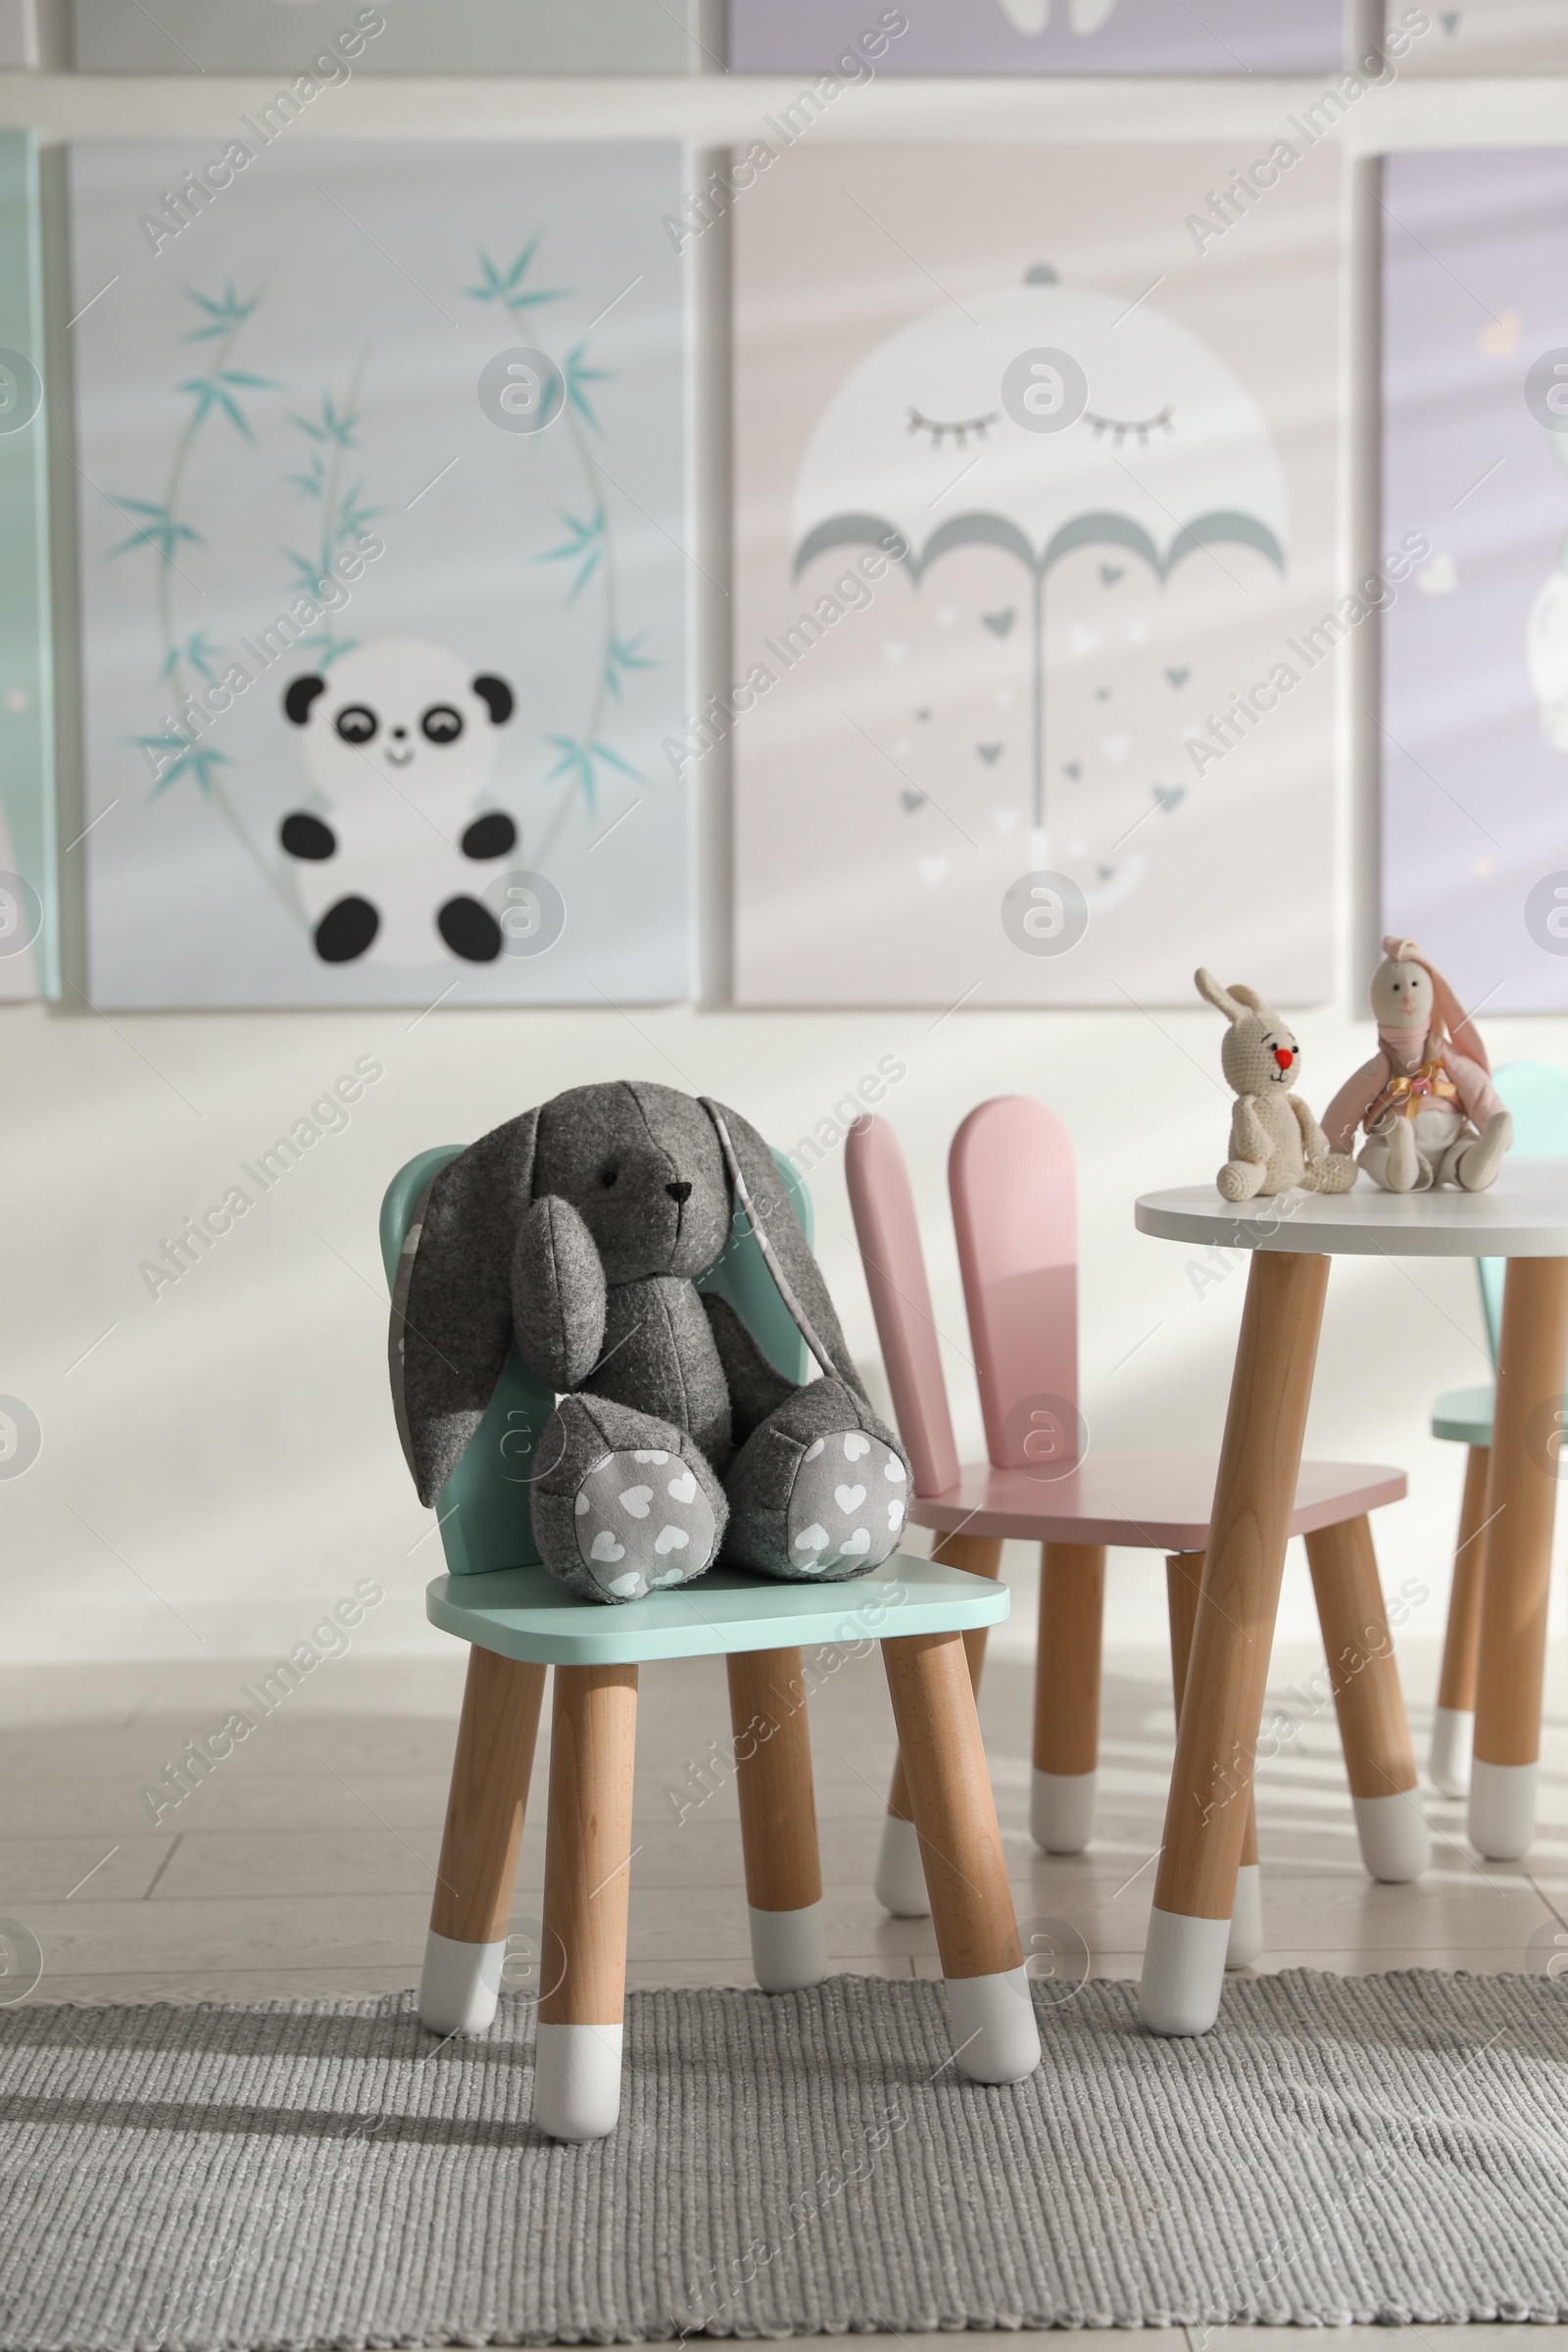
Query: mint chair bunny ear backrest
x,y
483,1508
1537,1094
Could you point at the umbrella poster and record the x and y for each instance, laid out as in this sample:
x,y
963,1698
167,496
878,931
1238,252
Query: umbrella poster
x,y
1035,494
1042,37
29,938
381,511
1475,665
402,36
1492,36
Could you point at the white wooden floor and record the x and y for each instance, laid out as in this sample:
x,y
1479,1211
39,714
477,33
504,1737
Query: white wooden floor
x,y
304,1864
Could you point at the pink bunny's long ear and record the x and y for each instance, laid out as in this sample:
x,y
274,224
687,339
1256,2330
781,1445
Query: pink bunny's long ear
x,y
1462,1031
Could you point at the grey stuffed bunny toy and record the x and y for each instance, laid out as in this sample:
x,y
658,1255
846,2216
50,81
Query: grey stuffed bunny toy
x,y
581,1228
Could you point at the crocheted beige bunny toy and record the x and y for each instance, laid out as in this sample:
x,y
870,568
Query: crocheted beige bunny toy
x,y
1276,1144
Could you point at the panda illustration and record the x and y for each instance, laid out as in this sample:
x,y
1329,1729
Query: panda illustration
x,y
400,742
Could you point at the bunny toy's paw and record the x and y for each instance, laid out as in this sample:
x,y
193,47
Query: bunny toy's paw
x,y
1335,1174
1240,1179
847,1505
626,1505
1478,1166
819,1490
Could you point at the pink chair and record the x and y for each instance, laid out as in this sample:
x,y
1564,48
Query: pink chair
x,y
1012,1182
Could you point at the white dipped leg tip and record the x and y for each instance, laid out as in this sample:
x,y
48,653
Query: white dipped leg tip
x,y
1395,1842
1184,1973
458,1985
1061,1810
576,2080
1502,1809
995,2037
1449,1768
899,1871
1245,1939
789,1948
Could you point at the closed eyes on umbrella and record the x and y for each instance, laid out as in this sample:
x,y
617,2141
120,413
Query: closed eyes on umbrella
x,y
1121,430
959,431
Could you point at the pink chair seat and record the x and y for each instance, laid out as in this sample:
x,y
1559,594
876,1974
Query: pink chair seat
x,y
1150,1501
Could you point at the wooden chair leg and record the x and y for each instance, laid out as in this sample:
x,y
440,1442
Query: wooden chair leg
x,y
1453,1720
992,2010
1222,1703
587,1868
1379,1760
1067,1744
778,1818
1183,1571
900,1878
1527,1434
489,1793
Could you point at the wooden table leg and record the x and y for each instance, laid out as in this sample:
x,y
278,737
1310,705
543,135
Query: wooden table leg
x,y
1453,1719
466,1947
1183,1573
778,1818
1527,1432
1068,1649
899,1880
989,2001
1222,1704
1374,1732
587,1868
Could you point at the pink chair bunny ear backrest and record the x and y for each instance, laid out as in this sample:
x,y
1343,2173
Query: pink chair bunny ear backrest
x,y
889,1235
1015,1211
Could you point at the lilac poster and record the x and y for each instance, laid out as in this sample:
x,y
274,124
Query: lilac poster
x,y
1474,650
1041,36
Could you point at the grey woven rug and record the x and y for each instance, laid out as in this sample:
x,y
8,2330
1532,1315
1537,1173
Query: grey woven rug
x,y
302,2174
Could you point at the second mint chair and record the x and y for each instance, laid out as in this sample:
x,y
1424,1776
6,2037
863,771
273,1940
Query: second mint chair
x,y
1536,1094
1015,1208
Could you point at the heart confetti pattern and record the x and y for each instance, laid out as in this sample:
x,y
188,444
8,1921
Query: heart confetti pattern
x,y
998,623
835,1524
618,1527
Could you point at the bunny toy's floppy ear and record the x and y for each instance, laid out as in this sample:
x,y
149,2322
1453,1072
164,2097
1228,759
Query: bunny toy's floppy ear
x,y
452,1303
1465,1037
761,1198
1231,1003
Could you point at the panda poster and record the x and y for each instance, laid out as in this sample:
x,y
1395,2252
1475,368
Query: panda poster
x,y
1474,664
383,585
1037,624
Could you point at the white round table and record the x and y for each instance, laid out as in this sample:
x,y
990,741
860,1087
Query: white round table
x,y
1523,1218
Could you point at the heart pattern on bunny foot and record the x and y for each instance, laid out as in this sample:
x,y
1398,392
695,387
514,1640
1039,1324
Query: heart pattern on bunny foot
x,y
643,1524
846,1507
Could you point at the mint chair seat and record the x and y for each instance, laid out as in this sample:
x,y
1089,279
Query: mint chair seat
x,y
1536,1094
517,1619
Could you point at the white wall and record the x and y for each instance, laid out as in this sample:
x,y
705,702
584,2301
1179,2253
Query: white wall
x,y
219,1465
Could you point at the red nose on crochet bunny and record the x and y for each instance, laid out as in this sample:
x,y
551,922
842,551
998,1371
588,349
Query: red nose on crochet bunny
x,y
1283,1057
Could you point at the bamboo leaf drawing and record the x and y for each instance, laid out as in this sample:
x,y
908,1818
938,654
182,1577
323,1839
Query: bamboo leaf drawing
x,y
217,391
583,544
198,759
199,651
577,374
623,654
160,530
578,761
510,290
224,316
330,427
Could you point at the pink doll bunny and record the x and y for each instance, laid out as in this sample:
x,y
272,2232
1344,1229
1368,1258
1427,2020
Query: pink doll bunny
x,y
1429,1109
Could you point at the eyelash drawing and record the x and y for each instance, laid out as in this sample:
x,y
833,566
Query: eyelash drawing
x,y
960,432
1143,427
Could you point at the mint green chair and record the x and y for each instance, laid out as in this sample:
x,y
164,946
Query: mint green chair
x,y
1537,1094
517,1620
